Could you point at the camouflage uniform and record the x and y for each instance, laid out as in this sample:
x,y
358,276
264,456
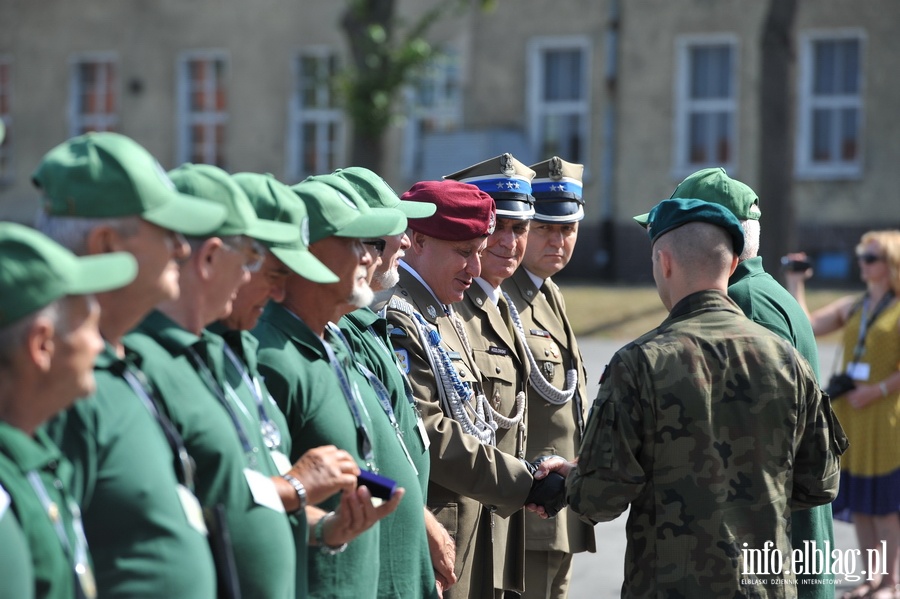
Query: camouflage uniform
x,y
712,429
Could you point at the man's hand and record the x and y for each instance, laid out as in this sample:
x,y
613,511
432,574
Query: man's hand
x,y
547,498
443,552
356,514
324,471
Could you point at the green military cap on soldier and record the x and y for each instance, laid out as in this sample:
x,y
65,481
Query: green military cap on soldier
x,y
378,194
671,214
506,180
108,175
36,271
714,185
274,201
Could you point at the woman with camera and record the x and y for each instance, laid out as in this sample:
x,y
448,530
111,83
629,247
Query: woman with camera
x,y
866,396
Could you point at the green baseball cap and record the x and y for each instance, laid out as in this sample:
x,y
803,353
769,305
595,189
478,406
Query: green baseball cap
x,y
715,186
108,175
335,209
38,271
274,201
212,183
378,194
673,213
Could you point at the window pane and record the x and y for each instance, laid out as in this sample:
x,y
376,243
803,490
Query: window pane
x,y
722,137
698,133
308,134
710,72
824,57
836,69
562,75
821,135
849,67
562,136
849,133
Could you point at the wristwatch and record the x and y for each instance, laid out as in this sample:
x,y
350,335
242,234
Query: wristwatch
x,y
301,492
319,532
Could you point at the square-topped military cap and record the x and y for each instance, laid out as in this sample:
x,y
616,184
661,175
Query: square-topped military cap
x,y
506,180
557,190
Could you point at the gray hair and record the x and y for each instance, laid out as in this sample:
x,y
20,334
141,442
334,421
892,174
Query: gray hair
x,y
751,239
14,335
72,232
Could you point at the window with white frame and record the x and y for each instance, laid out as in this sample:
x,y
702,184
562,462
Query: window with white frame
x,y
559,97
706,103
316,135
93,94
434,105
202,108
830,113
6,117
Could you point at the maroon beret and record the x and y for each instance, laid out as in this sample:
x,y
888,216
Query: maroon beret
x,y
463,211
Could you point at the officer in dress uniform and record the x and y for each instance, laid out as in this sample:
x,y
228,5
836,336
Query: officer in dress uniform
x,y
556,384
497,351
474,484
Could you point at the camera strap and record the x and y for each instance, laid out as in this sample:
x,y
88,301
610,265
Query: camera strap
x,y
865,324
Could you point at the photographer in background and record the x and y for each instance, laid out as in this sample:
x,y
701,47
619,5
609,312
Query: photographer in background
x,y
869,410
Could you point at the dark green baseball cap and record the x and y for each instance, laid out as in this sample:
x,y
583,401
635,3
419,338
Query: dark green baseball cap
x,y
36,271
378,194
214,184
335,209
108,175
673,213
274,201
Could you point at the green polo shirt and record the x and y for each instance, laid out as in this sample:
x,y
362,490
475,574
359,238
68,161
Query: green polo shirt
x,y
300,378
52,563
764,301
406,569
261,537
141,541
15,557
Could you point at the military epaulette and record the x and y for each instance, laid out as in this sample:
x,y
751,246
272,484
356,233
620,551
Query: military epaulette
x,y
402,305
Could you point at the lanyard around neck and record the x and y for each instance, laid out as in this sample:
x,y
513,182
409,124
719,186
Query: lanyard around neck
x,y
268,428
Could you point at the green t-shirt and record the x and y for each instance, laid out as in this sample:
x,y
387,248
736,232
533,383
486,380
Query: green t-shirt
x,y
141,540
227,446
406,569
300,378
15,557
53,563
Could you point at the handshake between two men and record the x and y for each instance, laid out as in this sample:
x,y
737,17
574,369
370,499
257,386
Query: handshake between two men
x,y
548,491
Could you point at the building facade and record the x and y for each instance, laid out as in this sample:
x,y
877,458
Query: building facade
x,y
642,92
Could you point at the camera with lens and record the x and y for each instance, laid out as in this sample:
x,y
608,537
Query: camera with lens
x,y
795,265
839,384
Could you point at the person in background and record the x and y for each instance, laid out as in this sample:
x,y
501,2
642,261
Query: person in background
x,y
49,340
557,384
764,301
869,406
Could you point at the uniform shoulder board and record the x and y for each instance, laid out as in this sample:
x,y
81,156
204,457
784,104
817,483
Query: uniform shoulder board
x,y
400,304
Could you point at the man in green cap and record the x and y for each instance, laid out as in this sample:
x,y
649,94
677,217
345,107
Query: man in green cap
x,y
710,427
310,372
767,303
321,471
103,192
48,342
367,331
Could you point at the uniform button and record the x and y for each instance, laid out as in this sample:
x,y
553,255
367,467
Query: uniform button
x,y
546,352
529,293
497,370
479,301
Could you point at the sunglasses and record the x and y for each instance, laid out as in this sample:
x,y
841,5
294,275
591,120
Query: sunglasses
x,y
376,244
869,258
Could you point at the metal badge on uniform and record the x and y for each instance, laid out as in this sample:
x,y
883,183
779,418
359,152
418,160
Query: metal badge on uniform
x,y
402,359
263,490
454,355
432,312
498,351
420,426
549,369
282,463
540,333
858,371
192,510
5,501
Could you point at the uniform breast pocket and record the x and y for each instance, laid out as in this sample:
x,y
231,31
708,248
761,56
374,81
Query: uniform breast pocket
x,y
548,357
500,379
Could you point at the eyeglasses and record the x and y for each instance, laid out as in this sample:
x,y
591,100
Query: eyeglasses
x,y
869,258
253,251
376,244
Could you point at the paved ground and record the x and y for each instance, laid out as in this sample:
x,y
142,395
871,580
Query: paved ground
x,y
599,575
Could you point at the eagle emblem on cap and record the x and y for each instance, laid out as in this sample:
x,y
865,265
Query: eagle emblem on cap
x,y
492,223
506,165
556,168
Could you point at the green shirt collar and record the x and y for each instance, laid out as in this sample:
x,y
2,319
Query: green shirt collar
x,y
747,268
28,453
291,325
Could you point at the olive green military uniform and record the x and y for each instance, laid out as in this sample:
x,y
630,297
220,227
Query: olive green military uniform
x,y
38,479
473,484
233,466
500,359
406,569
303,383
136,520
15,557
553,429
712,429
